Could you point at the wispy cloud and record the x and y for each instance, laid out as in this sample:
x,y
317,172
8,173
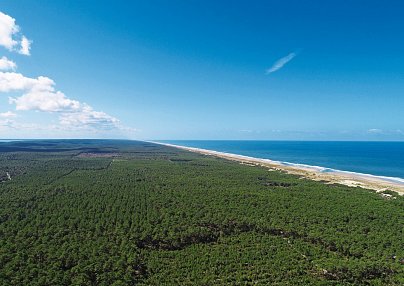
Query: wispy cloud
x,y
281,62
375,131
8,114
399,131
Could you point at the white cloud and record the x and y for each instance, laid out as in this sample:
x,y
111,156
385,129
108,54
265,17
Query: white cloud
x,y
280,63
48,101
11,81
88,117
8,114
39,94
10,37
8,123
25,46
6,64
8,29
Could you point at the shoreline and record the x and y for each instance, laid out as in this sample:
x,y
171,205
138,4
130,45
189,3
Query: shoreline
x,y
316,173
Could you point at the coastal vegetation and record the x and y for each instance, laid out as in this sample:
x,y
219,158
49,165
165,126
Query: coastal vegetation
x,y
100,212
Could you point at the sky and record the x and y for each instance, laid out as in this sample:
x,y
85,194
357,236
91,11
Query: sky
x,y
237,70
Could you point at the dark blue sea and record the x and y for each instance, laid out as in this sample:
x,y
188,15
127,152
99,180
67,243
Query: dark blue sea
x,y
374,158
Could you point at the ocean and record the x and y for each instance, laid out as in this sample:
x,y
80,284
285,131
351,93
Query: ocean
x,y
373,158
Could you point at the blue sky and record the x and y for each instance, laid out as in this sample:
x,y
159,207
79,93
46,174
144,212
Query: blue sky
x,y
283,70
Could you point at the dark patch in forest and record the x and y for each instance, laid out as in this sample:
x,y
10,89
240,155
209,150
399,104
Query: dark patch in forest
x,y
180,160
266,182
214,231
344,274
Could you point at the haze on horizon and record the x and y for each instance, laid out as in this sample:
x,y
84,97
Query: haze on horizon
x,y
267,70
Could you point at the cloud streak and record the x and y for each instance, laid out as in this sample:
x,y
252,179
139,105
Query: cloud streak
x,y
8,114
375,131
280,63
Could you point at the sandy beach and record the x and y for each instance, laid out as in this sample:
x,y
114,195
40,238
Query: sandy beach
x,y
377,183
